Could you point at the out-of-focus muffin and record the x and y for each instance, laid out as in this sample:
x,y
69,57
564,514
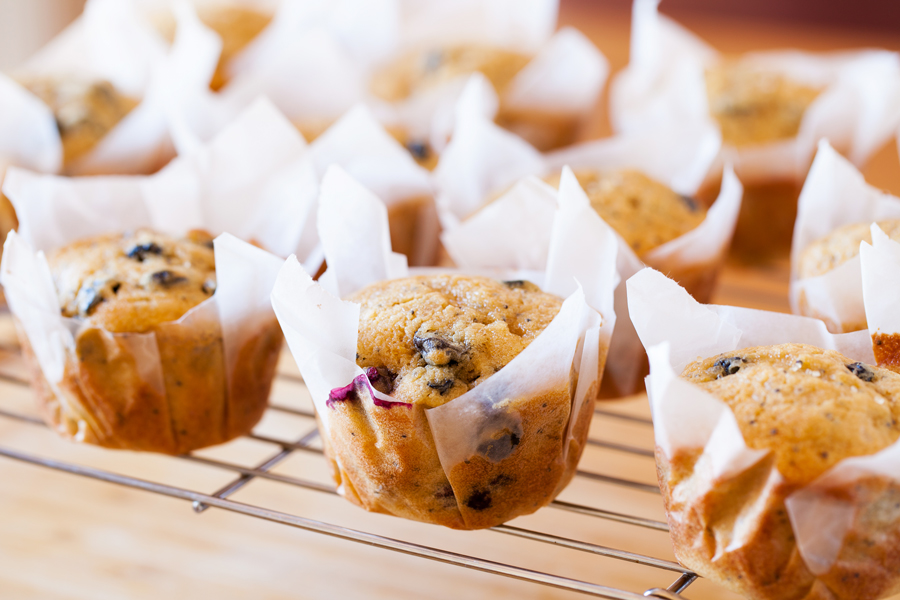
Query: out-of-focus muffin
x,y
646,213
832,251
753,105
426,68
85,110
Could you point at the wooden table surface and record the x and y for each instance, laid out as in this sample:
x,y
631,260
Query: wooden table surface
x,y
63,536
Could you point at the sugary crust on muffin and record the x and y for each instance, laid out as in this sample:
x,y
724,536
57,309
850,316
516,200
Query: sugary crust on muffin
x,y
425,68
135,281
85,110
433,338
646,213
839,246
810,407
753,105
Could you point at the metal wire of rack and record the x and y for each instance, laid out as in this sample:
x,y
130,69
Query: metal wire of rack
x,y
220,499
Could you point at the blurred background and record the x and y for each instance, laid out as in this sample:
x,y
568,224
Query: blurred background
x,y
26,24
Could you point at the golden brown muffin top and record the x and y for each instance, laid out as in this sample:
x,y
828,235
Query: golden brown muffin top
x,y
810,407
85,111
132,282
841,245
753,105
427,68
435,337
644,212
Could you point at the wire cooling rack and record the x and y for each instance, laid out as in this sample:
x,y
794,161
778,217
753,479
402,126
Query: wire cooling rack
x,y
307,443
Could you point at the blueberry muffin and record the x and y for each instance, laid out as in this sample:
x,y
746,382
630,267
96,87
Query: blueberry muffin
x,y
753,105
840,246
810,409
832,251
85,110
145,372
646,213
427,68
430,67
426,341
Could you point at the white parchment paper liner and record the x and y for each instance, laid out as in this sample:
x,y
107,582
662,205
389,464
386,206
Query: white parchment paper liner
x,y
664,84
249,180
563,79
111,41
358,143
312,61
835,194
879,262
321,329
514,231
316,59
677,330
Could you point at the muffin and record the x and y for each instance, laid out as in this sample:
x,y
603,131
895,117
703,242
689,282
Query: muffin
x,y
808,409
427,68
147,371
832,251
85,111
646,213
430,67
755,107
426,341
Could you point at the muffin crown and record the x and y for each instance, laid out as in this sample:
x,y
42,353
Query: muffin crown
x,y
810,407
131,282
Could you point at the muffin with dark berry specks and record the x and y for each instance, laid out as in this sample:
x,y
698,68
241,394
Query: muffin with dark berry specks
x,y
147,371
426,341
808,409
832,251
85,110
646,213
424,69
755,106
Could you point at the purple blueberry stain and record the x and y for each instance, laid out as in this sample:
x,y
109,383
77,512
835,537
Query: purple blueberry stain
x,y
351,391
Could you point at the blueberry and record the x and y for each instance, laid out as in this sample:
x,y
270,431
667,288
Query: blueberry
x,y
729,365
862,371
89,299
437,351
140,252
480,500
442,386
167,278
